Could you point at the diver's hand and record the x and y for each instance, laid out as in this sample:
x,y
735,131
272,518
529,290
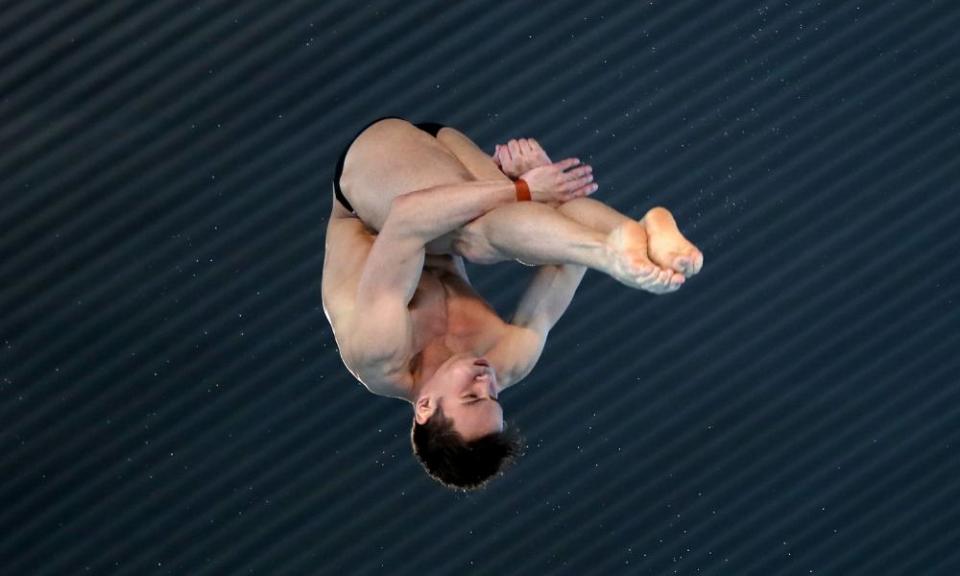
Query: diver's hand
x,y
519,155
560,182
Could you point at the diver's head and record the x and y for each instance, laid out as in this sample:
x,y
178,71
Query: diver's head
x,y
465,387
458,431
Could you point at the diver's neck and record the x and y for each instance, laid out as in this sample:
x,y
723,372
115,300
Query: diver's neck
x,y
428,362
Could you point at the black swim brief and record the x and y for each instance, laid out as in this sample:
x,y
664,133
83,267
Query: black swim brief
x,y
429,127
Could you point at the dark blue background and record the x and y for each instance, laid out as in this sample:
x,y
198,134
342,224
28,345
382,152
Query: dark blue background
x,y
171,399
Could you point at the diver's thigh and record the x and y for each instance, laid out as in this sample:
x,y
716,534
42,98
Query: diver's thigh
x,y
391,158
480,165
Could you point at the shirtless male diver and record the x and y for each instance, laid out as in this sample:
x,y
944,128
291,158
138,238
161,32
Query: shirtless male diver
x,y
411,202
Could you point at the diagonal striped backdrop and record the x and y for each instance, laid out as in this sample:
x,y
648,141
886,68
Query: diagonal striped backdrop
x,y
171,399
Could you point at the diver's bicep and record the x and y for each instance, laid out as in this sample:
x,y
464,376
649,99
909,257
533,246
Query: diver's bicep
x,y
516,354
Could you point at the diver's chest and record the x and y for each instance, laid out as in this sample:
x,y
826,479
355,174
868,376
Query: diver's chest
x,y
444,307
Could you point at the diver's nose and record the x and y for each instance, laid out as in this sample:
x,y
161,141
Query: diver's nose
x,y
492,389
486,387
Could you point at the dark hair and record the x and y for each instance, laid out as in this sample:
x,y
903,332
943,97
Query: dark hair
x,y
459,464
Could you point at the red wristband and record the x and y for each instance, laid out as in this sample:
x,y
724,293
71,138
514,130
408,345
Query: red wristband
x,y
523,190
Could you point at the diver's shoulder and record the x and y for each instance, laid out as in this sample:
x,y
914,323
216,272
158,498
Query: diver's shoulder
x,y
380,384
375,378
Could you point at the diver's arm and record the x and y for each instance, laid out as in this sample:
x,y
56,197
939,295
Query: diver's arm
x,y
429,213
544,302
432,212
547,297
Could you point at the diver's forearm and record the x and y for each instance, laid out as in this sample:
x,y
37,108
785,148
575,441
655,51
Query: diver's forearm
x,y
433,212
548,296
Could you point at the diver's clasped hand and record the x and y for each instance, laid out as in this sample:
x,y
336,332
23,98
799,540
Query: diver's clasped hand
x,y
520,155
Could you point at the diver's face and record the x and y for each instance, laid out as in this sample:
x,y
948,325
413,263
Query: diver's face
x,y
465,386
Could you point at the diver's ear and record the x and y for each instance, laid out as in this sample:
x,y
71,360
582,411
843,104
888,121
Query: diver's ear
x,y
423,409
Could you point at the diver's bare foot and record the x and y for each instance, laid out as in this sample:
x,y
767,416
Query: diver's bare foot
x,y
630,264
667,246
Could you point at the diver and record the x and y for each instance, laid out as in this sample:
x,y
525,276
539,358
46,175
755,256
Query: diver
x,y
411,202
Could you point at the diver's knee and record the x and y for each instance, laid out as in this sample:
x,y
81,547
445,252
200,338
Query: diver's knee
x,y
471,243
